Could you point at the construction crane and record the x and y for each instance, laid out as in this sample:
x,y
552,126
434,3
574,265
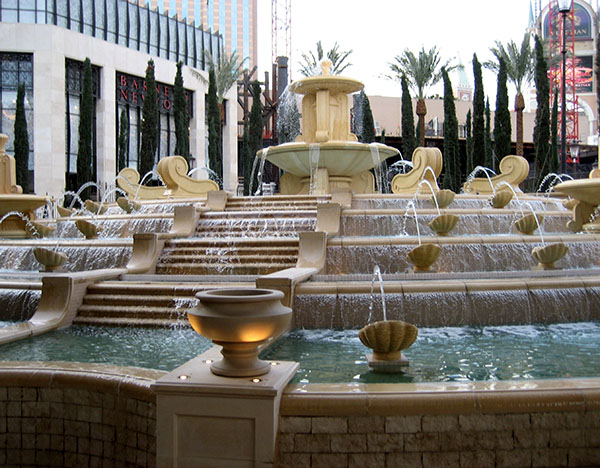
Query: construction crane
x,y
281,29
555,39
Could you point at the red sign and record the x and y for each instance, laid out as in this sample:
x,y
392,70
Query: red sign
x,y
131,91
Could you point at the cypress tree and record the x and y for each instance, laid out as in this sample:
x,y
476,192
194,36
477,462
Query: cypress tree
x,y
368,126
86,119
409,143
478,116
255,131
554,160
541,131
182,119
451,147
149,143
489,150
469,143
21,141
215,152
123,140
502,124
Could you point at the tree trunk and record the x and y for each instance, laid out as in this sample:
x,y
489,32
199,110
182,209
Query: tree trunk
x,y
519,106
421,112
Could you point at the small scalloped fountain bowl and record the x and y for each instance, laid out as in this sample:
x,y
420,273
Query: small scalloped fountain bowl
x,y
388,338
50,259
528,223
89,230
444,198
501,198
128,205
443,224
96,208
423,256
64,212
35,229
549,254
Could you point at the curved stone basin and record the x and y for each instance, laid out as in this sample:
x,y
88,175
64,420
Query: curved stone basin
x,y
14,226
340,158
585,190
334,83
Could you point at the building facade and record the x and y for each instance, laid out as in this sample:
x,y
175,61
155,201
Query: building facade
x,y
44,45
584,31
235,20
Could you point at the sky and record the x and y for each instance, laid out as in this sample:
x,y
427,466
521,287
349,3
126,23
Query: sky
x,y
378,30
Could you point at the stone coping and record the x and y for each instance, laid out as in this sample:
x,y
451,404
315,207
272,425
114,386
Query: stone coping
x,y
456,211
449,285
131,381
344,399
526,396
475,239
59,242
107,217
556,197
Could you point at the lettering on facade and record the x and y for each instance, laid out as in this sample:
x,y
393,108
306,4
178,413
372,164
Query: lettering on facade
x,y
131,91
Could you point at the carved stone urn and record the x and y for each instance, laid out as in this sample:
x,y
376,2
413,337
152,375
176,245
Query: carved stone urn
x,y
388,338
241,321
528,223
443,197
423,256
50,259
548,255
443,224
89,230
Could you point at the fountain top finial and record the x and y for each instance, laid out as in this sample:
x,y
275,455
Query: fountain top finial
x,y
326,67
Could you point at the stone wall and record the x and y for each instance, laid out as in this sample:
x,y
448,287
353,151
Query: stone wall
x,y
427,425
77,417
498,440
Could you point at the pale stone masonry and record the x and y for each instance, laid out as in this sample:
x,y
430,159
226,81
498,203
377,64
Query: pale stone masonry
x,y
547,439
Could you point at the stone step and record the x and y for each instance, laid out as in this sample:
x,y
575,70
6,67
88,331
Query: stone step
x,y
232,251
129,322
141,311
251,243
225,261
214,268
139,299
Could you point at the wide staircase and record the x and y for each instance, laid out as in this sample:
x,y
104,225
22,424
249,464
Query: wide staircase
x,y
230,248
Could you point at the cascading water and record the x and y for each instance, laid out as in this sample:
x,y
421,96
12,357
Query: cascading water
x,y
314,151
377,277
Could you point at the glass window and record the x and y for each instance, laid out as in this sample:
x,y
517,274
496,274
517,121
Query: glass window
x,y
164,36
9,16
26,16
172,38
14,69
144,30
111,25
99,10
88,16
154,33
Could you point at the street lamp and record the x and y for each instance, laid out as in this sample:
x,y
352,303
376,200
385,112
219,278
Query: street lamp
x,y
564,6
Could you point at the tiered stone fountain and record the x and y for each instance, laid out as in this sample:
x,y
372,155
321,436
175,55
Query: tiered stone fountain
x,y
327,155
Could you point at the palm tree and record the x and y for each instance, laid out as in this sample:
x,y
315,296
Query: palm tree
x,y
422,71
520,70
309,65
227,68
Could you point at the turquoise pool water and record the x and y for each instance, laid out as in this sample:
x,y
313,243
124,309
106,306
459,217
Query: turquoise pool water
x,y
151,348
450,354
332,356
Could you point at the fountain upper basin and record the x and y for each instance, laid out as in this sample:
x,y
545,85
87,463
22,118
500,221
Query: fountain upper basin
x,y
338,157
585,190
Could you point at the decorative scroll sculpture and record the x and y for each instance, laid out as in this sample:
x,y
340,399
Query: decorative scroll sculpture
x,y
12,198
513,171
422,159
173,172
586,193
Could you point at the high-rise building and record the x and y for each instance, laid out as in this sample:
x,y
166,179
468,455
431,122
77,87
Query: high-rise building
x,y
235,20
